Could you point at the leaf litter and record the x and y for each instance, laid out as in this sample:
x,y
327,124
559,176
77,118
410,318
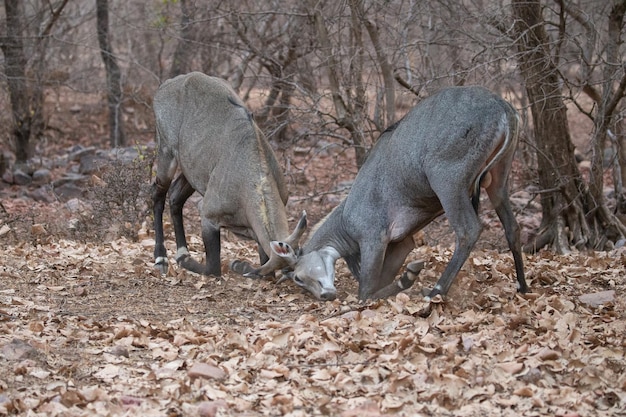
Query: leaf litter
x,y
92,329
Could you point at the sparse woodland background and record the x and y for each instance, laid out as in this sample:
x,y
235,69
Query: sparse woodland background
x,y
87,327
339,73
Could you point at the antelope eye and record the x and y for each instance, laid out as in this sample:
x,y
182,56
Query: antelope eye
x,y
298,281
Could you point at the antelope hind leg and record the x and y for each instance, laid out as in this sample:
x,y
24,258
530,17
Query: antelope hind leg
x,y
405,282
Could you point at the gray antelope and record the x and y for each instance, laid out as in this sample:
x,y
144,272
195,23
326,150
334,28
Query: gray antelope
x,y
431,162
205,132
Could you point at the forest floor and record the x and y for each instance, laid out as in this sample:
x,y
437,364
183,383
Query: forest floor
x,y
88,327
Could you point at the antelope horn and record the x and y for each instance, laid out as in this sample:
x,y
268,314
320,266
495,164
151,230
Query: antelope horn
x,y
276,262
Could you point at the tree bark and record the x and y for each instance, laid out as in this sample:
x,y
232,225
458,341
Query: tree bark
x,y
38,67
385,67
571,214
25,78
620,139
607,105
275,114
184,51
349,112
114,88
15,70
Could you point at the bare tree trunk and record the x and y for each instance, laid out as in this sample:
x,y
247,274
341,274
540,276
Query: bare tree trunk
x,y
277,107
607,100
571,214
38,65
620,137
275,114
184,50
385,67
15,71
26,79
349,114
357,101
114,88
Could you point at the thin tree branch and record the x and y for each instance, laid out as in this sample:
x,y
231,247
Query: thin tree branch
x,y
55,14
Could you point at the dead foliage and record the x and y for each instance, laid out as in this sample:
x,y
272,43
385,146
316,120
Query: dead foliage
x,y
120,198
91,329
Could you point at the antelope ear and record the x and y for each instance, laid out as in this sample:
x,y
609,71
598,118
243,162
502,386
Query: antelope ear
x,y
285,251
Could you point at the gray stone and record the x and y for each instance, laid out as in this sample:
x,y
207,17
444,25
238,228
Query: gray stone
x,y
92,163
69,191
21,178
596,299
7,177
78,151
43,194
42,176
70,178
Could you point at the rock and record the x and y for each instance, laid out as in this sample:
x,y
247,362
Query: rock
x,y
18,350
42,194
91,163
76,205
42,176
4,229
68,191
597,298
76,152
70,178
21,178
124,155
7,176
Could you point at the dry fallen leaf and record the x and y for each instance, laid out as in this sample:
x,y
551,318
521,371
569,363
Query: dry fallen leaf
x,y
210,408
511,367
135,344
204,370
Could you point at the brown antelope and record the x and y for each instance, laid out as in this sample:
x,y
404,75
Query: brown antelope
x,y
205,131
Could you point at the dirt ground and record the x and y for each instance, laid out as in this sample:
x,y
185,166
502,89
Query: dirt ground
x,y
88,327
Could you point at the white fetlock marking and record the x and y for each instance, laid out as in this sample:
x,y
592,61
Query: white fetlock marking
x,y
400,284
427,298
181,253
438,287
161,260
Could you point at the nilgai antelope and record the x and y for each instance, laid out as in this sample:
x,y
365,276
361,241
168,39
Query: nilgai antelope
x,y
431,162
204,130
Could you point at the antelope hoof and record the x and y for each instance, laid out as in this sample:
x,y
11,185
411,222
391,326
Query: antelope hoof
x,y
243,268
161,264
181,255
435,296
410,275
414,268
522,289
425,312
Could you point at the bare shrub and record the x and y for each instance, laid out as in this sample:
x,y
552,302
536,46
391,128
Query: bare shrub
x,y
120,198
